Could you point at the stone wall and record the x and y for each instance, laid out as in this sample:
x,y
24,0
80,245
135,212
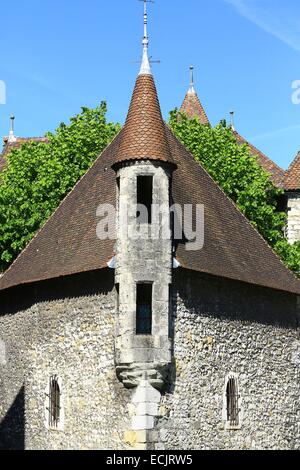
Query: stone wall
x,y
68,330
222,327
67,327
293,206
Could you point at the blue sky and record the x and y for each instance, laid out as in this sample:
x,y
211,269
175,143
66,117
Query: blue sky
x,y
58,55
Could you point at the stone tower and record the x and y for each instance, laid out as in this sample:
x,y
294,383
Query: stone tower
x,y
143,260
292,193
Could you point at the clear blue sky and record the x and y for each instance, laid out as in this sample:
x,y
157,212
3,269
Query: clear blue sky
x,y
57,55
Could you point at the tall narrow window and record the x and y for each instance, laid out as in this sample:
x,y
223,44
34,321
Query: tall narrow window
x,y
145,197
232,401
170,310
54,402
118,297
144,309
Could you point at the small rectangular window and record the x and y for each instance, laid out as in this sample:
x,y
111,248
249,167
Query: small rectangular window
x,y
144,309
145,198
232,398
118,297
54,402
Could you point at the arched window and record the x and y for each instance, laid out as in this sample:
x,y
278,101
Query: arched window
x,y
232,402
54,402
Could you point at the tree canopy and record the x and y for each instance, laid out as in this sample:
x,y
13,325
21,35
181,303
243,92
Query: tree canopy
x,y
39,175
240,176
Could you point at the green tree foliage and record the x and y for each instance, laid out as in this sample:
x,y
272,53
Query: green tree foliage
x,y
290,254
240,176
39,175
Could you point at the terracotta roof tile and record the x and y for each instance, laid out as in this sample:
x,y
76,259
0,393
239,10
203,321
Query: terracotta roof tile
x,y
232,248
192,107
8,146
292,177
144,135
67,244
276,173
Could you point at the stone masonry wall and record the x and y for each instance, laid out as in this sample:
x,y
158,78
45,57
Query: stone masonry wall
x,y
222,327
293,204
67,327
67,330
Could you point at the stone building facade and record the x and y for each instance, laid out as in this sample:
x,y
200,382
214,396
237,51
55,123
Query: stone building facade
x,y
148,339
288,181
293,207
219,327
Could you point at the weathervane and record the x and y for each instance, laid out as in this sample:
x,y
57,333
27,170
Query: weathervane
x,y
146,61
192,89
11,137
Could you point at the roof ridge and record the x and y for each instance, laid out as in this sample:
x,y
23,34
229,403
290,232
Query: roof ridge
x,y
292,175
236,207
278,173
57,209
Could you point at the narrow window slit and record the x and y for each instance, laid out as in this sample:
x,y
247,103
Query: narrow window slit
x,y
144,309
145,198
54,402
232,398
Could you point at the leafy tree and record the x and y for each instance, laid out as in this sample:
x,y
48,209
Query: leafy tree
x,y
290,254
240,176
39,175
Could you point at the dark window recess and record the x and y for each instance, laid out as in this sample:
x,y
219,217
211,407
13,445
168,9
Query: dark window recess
x,y
54,402
144,309
232,402
170,311
145,196
118,297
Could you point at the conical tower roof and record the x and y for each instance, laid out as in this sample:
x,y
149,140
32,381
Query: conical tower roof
x,y
144,134
191,105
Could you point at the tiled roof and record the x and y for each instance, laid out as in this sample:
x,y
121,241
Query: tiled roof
x,y
192,107
277,174
232,246
292,177
144,135
67,244
2,163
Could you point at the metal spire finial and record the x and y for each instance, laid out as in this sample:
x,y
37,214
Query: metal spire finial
x,y
145,67
232,120
11,137
192,89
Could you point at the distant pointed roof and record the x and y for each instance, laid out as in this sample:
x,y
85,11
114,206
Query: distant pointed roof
x,y
9,145
191,105
144,134
276,173
292,177
67,244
